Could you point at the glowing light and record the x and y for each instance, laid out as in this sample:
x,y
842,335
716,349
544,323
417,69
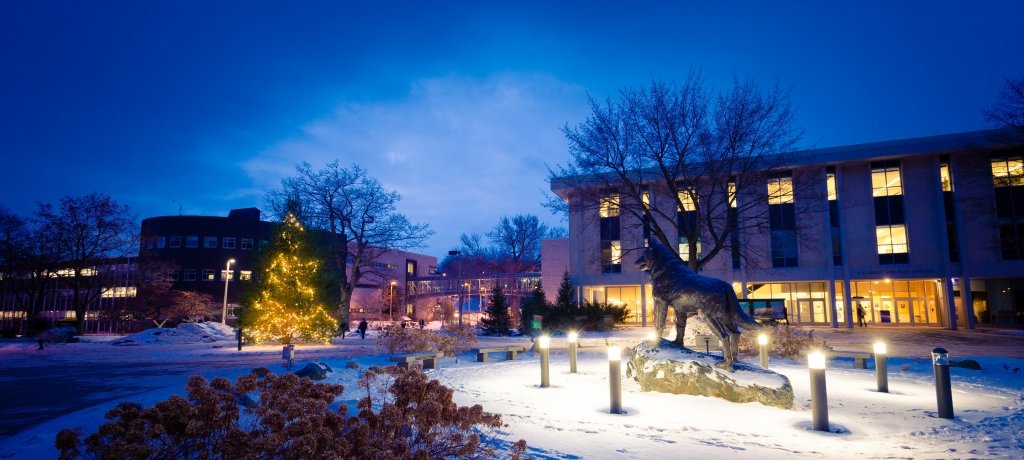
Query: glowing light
x,y
651,336
573,337
816,360
544,342
762,339
614,354
880,348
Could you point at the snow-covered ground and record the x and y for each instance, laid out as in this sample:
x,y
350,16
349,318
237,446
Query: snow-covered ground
x,y
571,418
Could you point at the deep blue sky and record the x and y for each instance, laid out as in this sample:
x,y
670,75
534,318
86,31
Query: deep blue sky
x,y
457,105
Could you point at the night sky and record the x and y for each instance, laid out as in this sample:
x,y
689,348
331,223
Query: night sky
x,y
457,105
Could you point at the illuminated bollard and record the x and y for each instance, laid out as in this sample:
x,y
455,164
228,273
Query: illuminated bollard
x,y
819,399
615,378
544,342
652,338
573,338
943,390
762,342
881,368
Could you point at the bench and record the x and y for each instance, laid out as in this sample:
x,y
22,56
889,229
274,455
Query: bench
x,y
860,358
429,359
510,352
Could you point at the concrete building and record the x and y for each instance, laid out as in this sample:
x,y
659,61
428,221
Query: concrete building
x,y
917,232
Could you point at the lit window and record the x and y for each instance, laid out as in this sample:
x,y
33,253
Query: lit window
x,y
1008,172
210,242
192,241
616,252
190,274
892,239
610,205
780,190
830,185
245,275
246,243
947,180
688,200
227,274
885,180
229,243
207,274
732,195
684,249
119,292
646,199
175,241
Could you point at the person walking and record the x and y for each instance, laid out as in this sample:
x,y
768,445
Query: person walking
x,y
860,316
362,329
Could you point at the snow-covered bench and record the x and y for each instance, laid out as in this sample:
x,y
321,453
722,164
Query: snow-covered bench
x,y
510,352
860,358
429,359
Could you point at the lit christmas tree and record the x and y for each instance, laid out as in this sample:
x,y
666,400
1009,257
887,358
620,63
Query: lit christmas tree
x,y
289,305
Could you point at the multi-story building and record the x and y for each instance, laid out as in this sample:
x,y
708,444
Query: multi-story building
x,y
201,247
926,231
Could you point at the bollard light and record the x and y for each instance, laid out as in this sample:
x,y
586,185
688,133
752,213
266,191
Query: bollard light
x,y
652,336
819,398
615,378
881,368
544,342
943,389
762,341
573,339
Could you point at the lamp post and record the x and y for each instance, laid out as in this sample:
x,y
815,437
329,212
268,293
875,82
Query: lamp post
x,y
943,389
819,398
391,302
762,342
544,342
615,379
881,368
573,338
456,254
227,278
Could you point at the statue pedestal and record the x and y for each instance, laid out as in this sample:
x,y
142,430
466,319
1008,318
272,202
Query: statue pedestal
x,y
670,368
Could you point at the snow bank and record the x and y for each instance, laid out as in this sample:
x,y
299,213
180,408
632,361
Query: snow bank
x,y
185,333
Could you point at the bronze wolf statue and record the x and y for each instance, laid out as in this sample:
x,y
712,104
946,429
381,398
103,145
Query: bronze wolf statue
x,y
688,293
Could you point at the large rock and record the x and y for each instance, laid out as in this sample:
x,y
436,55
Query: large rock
x,y
669,368
314,371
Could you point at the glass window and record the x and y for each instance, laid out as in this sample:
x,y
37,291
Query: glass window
x,y
1007,172
150,243
611,256
732,194
227,274
610,205
173,275
885,179
207,274
892,239
192,241
245,275
684,249
190,274
246,243
780,190
175,241
830,185
229,243
947,180
161,242
210,242
688,199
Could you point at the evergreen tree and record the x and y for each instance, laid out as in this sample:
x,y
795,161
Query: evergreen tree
x,y
566,292
289,302
533,304
498,320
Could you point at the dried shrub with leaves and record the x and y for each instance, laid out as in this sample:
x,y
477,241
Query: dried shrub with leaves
x,y
264,415
394,339
784,341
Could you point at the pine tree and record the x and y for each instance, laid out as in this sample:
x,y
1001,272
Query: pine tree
x,y
289,303
565,293
533,304
498,320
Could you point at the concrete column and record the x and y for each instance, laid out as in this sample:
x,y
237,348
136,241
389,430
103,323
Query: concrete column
x,y
847,302
950,303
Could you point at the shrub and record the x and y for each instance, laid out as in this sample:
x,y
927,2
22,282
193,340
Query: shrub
x,y
783,341
402,416
394,338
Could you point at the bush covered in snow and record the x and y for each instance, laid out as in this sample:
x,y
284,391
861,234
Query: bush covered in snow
x,y
784,341
264,415
207,332
395,338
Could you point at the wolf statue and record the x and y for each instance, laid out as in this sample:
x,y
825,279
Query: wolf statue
x,y
688,293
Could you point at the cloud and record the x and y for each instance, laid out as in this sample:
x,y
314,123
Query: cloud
x,y
462,151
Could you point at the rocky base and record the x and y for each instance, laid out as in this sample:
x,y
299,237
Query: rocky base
x,y
669,368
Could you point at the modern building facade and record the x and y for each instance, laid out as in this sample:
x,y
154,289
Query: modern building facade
x,y
916,232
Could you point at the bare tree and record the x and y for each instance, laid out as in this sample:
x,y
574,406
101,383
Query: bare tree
x,y
154,299
89,231
517,238
193,307
674,147
1008,110
356,212
28,256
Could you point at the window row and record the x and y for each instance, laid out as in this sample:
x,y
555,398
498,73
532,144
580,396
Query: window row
x,y
192,242
209,274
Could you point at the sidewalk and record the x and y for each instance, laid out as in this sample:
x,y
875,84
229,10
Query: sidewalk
x,y
918,341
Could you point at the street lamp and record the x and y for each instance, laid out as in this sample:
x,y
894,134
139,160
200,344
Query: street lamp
x,y
227,278
391,302
456,254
